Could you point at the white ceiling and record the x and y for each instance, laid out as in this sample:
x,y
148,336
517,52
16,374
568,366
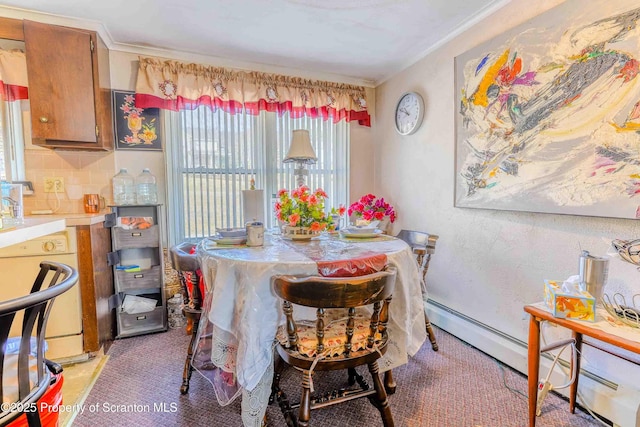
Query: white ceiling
x,y
366,40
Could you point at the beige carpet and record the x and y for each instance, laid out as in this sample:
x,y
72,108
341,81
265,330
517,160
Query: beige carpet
x,y
457,386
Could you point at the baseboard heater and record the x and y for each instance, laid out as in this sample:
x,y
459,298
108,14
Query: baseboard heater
x,y
618,403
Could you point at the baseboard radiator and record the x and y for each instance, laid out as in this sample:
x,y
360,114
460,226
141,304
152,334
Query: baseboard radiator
x,y
616,402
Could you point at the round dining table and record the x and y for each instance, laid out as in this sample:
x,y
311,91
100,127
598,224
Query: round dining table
x,y
241,314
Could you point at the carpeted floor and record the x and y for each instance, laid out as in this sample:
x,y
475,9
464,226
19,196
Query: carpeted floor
x,y
457,386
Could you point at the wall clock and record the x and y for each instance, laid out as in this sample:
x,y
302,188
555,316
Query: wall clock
x,y
409,113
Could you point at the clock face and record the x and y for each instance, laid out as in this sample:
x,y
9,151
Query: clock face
x,y
409,113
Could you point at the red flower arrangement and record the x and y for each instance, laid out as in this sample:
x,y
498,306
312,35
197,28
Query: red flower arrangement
x,y
369,208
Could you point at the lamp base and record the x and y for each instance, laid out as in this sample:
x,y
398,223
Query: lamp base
x,y
300,173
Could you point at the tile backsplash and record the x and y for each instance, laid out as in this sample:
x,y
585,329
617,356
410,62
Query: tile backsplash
x,y
83,172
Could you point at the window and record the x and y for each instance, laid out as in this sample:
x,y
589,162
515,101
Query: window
x,y
213,155
11,141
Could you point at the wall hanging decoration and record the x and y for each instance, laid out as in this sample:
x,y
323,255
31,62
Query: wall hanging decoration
x,y
548,114
135,128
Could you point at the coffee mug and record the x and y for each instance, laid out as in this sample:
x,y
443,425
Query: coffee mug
x,y
93,203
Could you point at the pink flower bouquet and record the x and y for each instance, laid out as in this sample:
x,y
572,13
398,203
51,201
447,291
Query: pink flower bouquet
x,y
370,208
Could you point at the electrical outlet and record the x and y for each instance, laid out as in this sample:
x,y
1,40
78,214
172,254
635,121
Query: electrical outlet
x,y
54,184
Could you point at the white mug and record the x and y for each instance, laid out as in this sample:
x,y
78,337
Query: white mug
x,y
255,234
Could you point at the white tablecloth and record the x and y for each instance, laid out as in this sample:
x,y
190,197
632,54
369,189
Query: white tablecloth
x,y
243,314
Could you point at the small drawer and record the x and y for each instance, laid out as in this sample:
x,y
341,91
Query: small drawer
x,y
125,239
139,323
138,280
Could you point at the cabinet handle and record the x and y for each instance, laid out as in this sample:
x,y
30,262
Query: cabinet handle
x,y
44,119
136,234
138,276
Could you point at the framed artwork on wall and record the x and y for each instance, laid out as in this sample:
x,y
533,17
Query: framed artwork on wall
x,y
135,128
548,114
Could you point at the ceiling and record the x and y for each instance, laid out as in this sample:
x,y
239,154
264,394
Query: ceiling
x,y
365,40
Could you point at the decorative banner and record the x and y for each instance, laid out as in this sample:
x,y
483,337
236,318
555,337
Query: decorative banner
x,y
135,128
548,114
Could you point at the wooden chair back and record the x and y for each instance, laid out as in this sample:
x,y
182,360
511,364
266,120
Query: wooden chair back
x,y
355,341
423,246
333,293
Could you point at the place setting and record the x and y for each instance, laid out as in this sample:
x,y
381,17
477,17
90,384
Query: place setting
x,y
229,237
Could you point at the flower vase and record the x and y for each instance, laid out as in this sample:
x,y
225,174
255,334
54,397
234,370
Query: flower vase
x,y
298,233
335,219
385,225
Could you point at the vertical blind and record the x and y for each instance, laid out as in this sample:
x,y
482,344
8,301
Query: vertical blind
x,y
213,155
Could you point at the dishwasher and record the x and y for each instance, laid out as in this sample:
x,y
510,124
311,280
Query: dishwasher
x,y
19,266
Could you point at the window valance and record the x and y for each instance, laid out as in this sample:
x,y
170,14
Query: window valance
x,y
13,75
173,85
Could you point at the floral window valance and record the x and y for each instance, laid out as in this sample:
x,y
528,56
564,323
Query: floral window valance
x,y
173,85
13,75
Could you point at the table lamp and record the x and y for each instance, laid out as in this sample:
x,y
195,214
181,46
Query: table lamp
x,y
302,153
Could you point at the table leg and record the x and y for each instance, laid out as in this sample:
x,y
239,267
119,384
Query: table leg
x,y
573,390
533,370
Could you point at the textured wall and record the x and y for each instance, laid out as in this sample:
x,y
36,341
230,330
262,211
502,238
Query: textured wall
x,y
488,264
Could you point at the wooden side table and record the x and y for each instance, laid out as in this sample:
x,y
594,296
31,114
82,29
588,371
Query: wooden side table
x,y
617,336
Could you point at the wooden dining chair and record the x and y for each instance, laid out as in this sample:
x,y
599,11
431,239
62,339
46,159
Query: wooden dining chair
x,y
423,246
343,336
185,262
27,377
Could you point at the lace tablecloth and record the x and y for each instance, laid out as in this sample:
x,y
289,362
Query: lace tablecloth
x,y
241,314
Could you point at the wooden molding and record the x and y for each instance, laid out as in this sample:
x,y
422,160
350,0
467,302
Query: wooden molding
x,y
11,29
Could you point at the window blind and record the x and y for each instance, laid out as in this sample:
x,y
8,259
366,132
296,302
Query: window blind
x,y
213,155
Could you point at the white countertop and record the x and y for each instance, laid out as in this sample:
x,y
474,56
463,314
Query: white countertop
x,y
32,228
75,219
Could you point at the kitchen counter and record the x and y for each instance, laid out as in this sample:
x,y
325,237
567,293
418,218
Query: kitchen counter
x,y
76,219
32,228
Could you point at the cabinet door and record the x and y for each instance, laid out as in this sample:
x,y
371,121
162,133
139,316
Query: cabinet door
x,y
60,67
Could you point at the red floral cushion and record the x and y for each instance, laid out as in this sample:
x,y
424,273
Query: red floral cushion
x,y
360,266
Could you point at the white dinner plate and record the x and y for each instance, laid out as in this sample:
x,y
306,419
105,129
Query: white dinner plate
x,y
348,233
229,240
232,232
360,230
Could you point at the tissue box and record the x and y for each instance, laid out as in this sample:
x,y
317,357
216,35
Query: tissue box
x,y
577,305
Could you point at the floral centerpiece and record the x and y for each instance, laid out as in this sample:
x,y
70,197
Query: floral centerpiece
x,y
370,208
302,212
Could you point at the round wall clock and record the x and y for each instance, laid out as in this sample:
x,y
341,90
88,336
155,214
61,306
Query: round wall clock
x,y
409,113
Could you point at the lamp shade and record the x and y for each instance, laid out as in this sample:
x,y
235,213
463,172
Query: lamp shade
x,y
300,150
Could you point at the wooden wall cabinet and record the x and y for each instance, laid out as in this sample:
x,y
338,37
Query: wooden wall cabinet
x,y
69,87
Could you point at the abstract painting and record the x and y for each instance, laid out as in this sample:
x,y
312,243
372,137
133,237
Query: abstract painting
x,y
548,114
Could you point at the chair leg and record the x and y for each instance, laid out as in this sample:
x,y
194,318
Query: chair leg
x,y
188,369
389,382
304,413
382,403
430,333
33,419
279,396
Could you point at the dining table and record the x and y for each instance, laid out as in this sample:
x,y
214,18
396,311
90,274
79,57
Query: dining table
x,y
234,348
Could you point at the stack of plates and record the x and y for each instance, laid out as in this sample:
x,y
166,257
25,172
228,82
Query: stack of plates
x,y
230,236
361,232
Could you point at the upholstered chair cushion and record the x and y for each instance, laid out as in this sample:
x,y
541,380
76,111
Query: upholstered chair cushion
x,y
335,336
